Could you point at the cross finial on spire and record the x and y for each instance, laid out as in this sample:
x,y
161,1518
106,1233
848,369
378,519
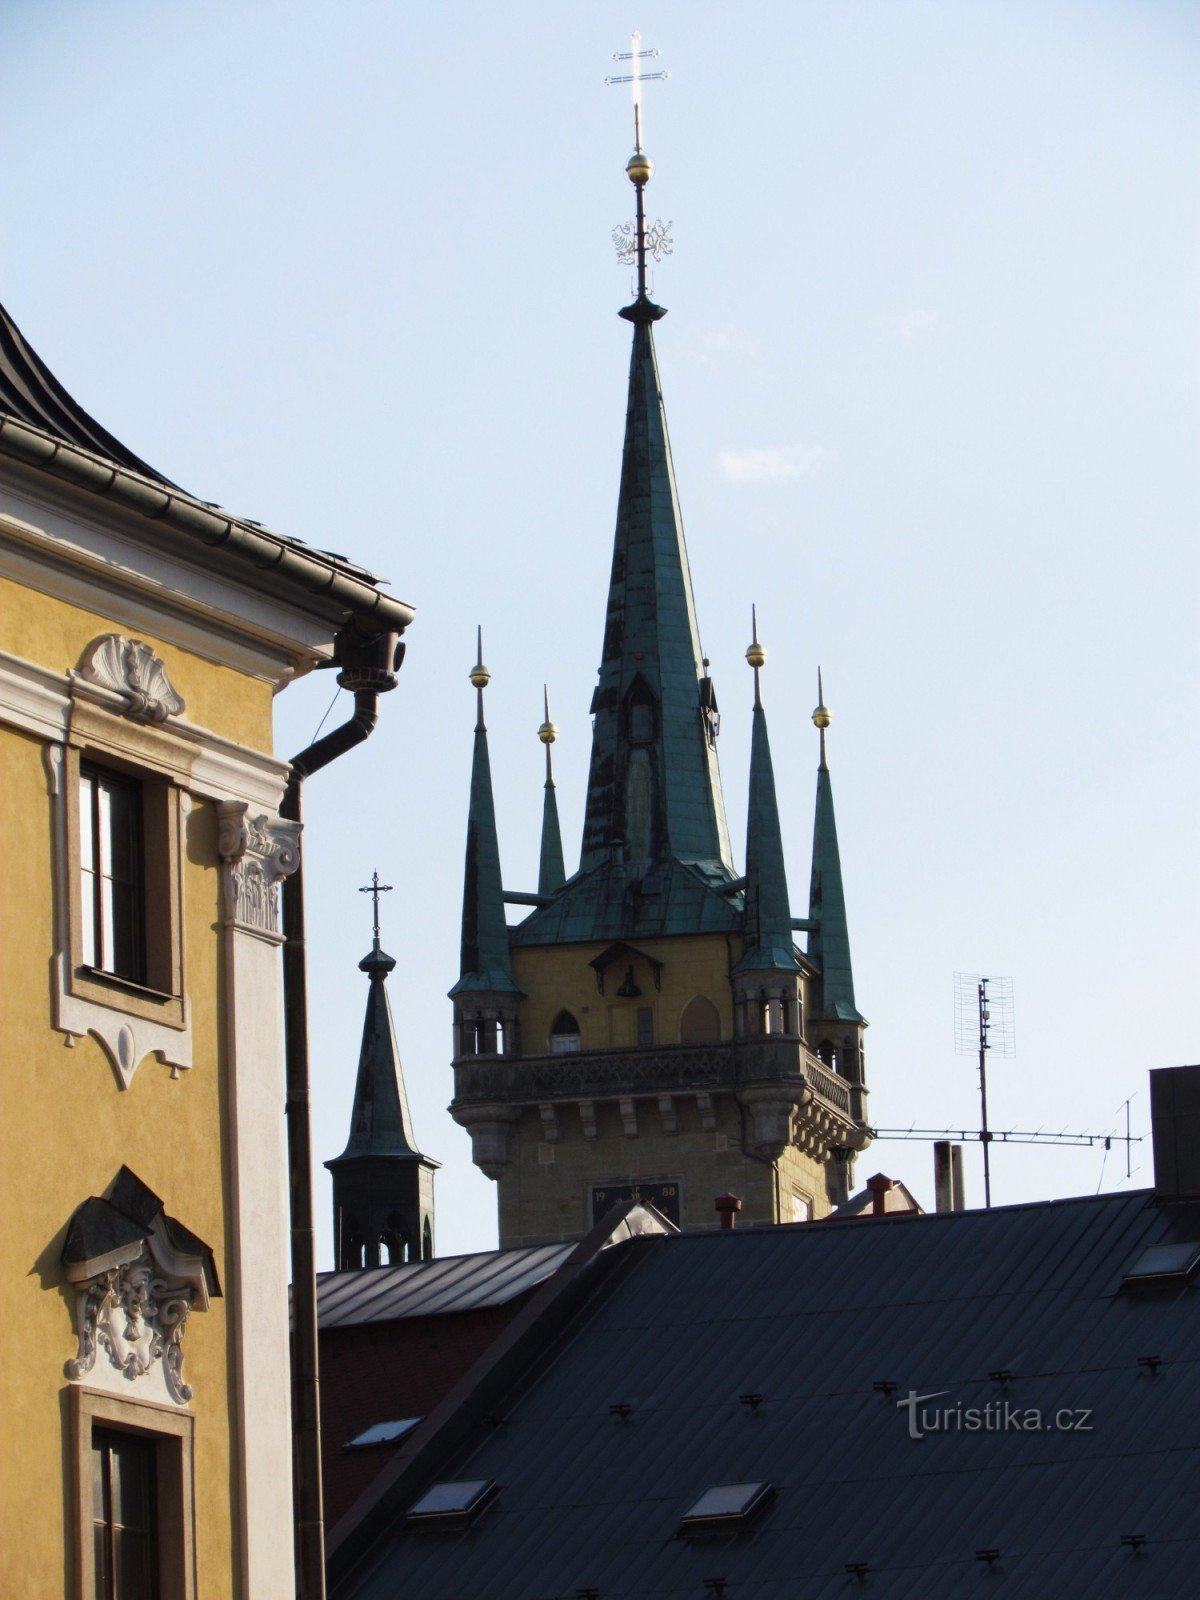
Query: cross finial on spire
x,y
375,889
633,239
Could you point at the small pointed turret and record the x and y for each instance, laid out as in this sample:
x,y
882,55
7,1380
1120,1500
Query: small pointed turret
x,y
552,870
768,922
829,938
382,1184
484,963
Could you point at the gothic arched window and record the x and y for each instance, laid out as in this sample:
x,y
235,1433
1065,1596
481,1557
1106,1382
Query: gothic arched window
x,y
564,1034
700,1022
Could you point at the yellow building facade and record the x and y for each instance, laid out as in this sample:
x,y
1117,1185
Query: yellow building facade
x,y
143,1260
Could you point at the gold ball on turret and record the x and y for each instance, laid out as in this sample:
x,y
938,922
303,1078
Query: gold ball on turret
x,y
547,733
639,168
756,655
821,717
480,676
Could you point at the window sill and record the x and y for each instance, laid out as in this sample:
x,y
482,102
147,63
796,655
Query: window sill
x,y
121,994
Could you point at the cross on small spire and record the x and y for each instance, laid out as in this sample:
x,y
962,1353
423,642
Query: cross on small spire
x,y
375,889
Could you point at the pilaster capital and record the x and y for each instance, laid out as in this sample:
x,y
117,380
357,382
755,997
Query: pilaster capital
x,y
257,852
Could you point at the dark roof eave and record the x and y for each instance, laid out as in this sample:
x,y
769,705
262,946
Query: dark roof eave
x,y
308,571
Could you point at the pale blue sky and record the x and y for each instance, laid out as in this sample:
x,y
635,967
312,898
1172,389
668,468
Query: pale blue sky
x,y
931,371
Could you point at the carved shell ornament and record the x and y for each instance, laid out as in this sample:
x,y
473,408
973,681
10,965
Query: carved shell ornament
x,y
131,669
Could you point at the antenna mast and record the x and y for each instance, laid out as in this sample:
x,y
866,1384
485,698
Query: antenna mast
x,y
983,1022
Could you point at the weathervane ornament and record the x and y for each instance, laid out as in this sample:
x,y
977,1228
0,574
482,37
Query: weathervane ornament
x,y
634,240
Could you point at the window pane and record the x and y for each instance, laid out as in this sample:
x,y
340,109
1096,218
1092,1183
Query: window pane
x,y
87,862
112,884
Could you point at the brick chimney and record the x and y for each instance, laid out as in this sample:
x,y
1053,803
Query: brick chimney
x,y
728,1206
879,1186
1175,1125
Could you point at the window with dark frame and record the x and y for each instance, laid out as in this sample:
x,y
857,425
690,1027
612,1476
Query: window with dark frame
x,y
124,1494
111,856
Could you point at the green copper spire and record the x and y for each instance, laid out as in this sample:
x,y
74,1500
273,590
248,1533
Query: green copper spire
x,y
829,941
655,858
552,871
768,920
485,960
654,782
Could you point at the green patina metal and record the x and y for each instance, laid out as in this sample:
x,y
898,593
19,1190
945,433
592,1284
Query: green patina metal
x,y
768,921
484,963
829,942
552,872
655,858
380,1124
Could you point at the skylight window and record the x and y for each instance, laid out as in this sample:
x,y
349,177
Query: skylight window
x,y
452,1505
1165,1263
383,1433
726,1508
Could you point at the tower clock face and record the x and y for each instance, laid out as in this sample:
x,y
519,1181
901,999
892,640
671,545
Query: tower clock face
x,y
664,1196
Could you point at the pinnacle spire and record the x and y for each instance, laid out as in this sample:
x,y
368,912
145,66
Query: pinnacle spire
x,y
768,942
380,1124
485,958
552,870
829,938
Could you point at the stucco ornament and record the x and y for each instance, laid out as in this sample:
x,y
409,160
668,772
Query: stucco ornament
x,y
135,1317
258,852
131,669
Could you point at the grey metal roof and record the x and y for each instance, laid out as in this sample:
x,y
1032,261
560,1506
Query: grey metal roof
x,y
810,1317
431,1288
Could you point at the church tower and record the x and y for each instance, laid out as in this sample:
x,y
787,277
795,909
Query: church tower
x,y
650,1029
382,1184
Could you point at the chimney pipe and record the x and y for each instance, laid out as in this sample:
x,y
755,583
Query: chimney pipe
x,y
879,1186
957,1192
947,1175
1175,1130
728,1206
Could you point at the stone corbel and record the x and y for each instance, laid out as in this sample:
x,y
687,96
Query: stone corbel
x,y
549,1116
587,1117
771,1112
628,1110
491,1130
708,1113
666,1110
258,852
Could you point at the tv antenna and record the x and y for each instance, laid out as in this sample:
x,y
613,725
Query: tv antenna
x,y
983,1024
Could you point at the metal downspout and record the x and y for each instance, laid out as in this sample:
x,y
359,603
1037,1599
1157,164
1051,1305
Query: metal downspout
x,y
368,669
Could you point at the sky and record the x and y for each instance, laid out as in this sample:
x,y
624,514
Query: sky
x,y
931,371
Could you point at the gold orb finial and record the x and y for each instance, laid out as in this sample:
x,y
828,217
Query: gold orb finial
x,y
639,169
479,674
547,733
821,717
755,654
